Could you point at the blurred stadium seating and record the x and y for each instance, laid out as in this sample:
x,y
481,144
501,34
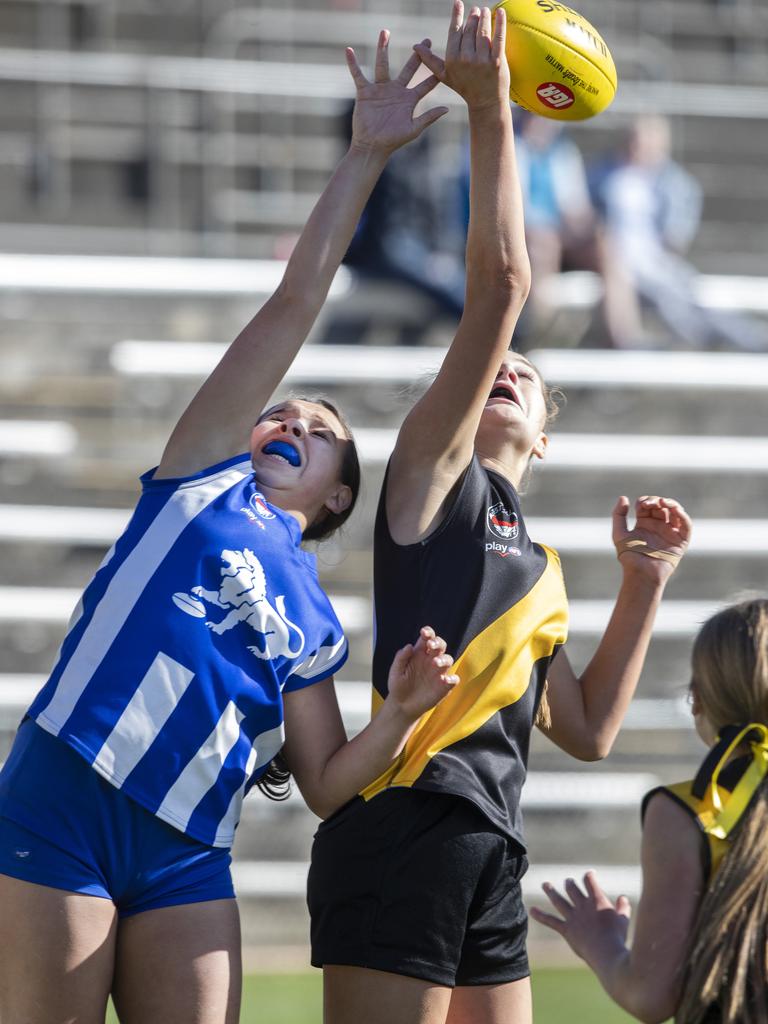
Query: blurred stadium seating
x,y
164,134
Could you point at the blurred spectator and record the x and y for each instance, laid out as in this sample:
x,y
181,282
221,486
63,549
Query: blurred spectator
x,y
559,217
399,234
651,208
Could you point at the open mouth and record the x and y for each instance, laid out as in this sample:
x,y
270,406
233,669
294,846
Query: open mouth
x,y
282,450
506,394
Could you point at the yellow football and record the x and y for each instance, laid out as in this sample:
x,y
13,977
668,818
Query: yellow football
x,y
560,66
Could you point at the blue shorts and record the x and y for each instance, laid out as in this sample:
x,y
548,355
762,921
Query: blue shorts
x,y
64,826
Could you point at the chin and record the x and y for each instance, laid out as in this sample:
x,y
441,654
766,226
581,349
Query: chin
x,y
503,412
497,424
270,475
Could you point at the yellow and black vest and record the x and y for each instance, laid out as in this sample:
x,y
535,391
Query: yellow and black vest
x,y
723,789
499,601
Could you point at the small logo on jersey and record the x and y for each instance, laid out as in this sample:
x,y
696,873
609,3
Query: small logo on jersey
x,y
502,522
21,854
252,517
558,97
259,505
503,550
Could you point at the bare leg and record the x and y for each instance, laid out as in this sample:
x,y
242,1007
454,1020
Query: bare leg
x,y
545,253
621,306
492,1004
180,965
353,995
58,952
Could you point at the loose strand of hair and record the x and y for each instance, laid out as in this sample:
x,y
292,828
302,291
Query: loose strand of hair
x,y
543,718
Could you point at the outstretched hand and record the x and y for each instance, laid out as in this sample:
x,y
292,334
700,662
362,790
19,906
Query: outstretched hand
x,y
383,115
419,677
475,64
662,524
593,926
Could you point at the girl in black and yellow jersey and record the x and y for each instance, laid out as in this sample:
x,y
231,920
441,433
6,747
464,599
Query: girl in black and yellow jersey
x,y
700,949
414,888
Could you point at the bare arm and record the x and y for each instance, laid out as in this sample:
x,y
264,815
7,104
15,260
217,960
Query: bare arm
x,y
436,441
329,770
645,980
218,421
587,711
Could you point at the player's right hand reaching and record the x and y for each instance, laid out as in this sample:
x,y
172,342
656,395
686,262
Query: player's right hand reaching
x,y
419,677
383,116
475,64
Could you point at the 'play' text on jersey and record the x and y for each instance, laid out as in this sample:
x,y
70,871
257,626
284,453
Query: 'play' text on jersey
x,y
170,678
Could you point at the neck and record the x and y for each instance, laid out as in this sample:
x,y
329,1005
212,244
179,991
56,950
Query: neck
x,y
509,464
283,501
299,516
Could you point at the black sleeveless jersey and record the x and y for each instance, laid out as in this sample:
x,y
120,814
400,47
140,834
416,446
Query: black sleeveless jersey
x,y
499,601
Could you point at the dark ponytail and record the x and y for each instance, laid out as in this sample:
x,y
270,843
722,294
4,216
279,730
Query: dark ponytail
x,y
275,783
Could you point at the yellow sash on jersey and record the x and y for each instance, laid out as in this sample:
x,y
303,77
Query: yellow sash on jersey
x,y
495,669
716,809
721,810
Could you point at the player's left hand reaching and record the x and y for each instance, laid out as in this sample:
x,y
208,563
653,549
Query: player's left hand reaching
x,y
659,539
383,116
419,677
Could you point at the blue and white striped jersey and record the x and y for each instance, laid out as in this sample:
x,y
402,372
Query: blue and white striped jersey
x,y
170,678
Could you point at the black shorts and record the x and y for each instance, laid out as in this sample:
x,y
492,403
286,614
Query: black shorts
x,y
419,884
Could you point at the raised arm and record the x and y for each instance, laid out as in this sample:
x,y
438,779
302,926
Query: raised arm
x,y
217,423
587,711
436,441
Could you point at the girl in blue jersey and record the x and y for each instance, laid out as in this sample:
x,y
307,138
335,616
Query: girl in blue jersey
x,y
701,935
202,647
414,888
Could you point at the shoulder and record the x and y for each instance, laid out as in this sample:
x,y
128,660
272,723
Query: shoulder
x,y
675,856
550,574
670,830
552,555
676,794
402,520
231,470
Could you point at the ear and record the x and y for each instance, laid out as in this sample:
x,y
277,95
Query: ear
x,y
340,500
540,447
695,702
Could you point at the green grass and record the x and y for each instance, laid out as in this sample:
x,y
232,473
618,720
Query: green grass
x,y
570,995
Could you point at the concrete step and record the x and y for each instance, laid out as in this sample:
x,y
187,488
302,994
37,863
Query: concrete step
x,y
32,647
105,482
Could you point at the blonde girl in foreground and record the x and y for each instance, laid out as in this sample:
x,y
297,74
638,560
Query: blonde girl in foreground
x,y
700,949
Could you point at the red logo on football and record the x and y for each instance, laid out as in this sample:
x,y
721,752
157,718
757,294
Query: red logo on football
x,y
556,96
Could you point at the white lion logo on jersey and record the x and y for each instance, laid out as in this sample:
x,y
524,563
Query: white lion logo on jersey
x,y
243,591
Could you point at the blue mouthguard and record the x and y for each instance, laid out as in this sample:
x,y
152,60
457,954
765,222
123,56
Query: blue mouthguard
x,y
287,451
